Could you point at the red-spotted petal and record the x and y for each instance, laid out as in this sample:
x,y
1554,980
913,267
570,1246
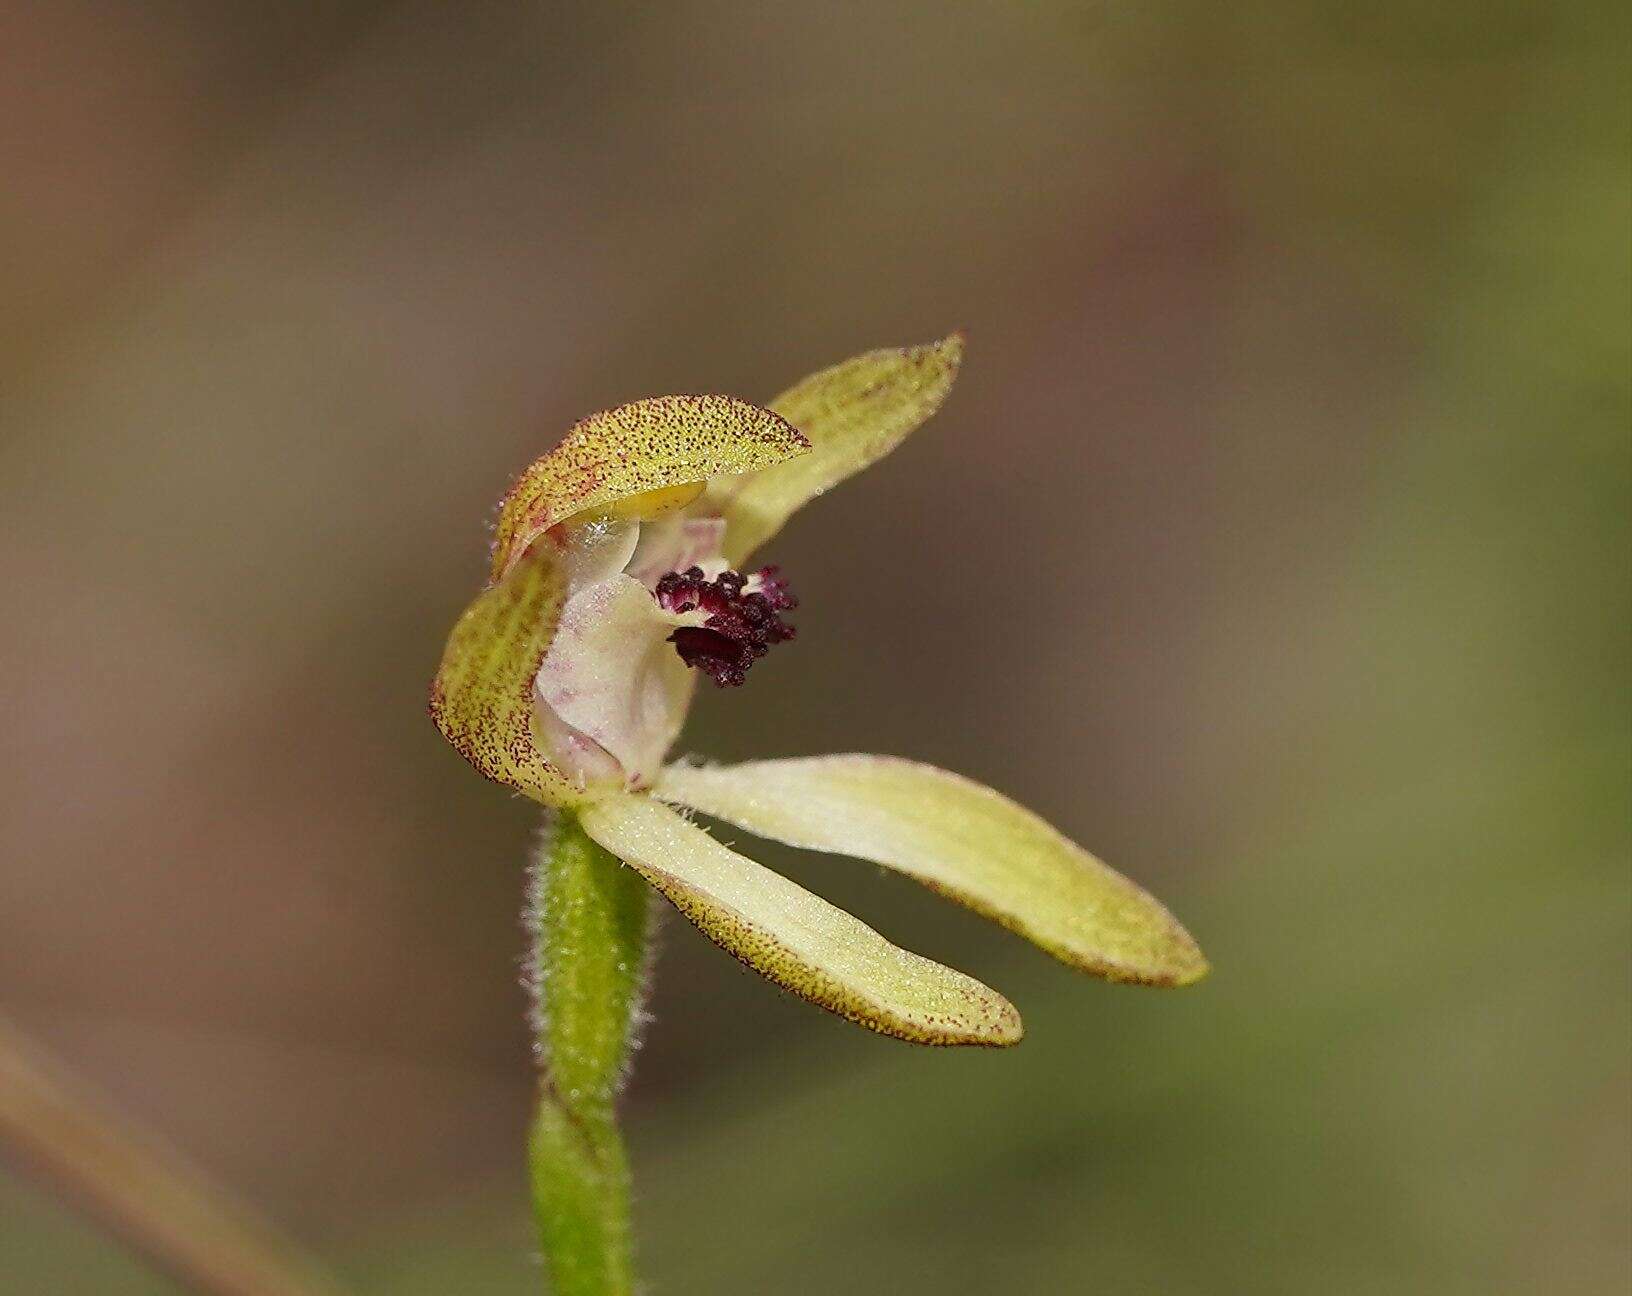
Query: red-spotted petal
x,y
797,939
482,696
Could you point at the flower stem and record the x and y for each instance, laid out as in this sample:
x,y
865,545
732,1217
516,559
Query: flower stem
x,y
590,923
139,1188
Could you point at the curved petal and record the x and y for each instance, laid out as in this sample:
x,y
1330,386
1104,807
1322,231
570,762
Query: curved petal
x,y
795,938
482,696
853,414
959,838
611,676
647,447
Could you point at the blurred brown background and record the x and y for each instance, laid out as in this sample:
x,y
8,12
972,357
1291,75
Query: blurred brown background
x,y
1273,544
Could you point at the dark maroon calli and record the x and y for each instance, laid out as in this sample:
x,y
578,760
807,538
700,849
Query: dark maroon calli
x,y
742,619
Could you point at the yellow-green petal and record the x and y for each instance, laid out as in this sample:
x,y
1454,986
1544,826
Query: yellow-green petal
x,y
853,415
649,447
795,938
961,839
482,696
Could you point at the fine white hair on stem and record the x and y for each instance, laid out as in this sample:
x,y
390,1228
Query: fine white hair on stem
x,y
533,972
534,978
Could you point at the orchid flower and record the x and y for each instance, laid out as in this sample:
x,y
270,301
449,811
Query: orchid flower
x,y
621,575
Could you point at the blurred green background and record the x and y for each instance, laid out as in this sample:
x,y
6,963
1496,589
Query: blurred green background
x,y
1274,544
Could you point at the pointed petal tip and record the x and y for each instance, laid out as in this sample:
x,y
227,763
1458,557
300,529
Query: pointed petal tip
x,y
853,414
1196,969
962,840
1010,1030
1181,964
985,1020
796,939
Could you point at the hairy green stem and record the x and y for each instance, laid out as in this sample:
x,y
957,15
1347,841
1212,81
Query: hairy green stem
x,y
590,920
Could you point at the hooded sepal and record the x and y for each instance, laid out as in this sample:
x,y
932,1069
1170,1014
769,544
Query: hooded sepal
x,y
654,452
